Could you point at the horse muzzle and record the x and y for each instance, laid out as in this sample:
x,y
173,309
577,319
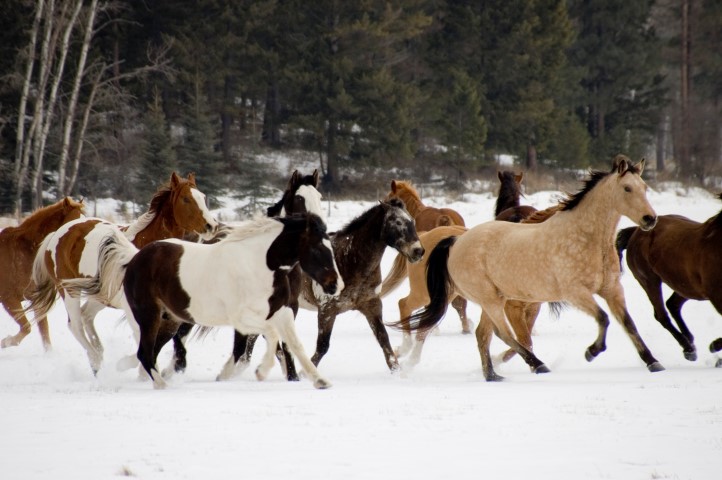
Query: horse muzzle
x,y
415,252
648,222
333,286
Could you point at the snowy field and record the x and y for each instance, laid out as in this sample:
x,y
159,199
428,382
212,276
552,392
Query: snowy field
x,y
610,419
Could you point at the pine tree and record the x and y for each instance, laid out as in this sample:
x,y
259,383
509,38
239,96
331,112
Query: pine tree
x,y
159,159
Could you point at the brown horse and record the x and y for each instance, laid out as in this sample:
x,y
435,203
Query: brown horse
x,y
685,255
176,208
425,217
18,246
428,218
568,258
508,206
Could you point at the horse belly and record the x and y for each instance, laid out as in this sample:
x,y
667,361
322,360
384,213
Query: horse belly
x,y
74,248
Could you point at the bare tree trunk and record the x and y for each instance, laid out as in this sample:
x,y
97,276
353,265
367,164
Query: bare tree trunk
x,y
70,115
684,150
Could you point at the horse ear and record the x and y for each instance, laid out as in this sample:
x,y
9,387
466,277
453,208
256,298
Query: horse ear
x,y
621,164
294,180
518,177
315,178
67,203
192,178
393,186
174,179
499,175
640,165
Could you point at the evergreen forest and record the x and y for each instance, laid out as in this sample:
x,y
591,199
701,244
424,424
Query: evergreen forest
x,y
103,98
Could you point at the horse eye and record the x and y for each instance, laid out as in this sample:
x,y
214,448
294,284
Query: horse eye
x,y
627,188
186,200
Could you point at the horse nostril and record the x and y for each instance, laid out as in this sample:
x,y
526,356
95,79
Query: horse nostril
x,y
419,252
649,221
208,227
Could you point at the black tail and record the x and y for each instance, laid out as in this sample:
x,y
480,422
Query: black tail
x,y
623,240
439,285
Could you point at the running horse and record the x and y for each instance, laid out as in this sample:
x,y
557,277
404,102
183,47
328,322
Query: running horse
x,y
358,249
427,218
72,252
245,280
568,258
18,246
686,256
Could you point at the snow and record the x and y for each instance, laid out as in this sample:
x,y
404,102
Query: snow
x,y
609,419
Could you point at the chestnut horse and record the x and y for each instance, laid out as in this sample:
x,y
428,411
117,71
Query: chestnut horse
x,y
428,218
685,255
568,258
425,217
72,252
18,246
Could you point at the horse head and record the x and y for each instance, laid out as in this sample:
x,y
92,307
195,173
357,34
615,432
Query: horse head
x,y
189,206
316,255
399,230
301,196
631,200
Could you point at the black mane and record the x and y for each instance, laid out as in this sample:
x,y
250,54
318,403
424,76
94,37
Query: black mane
x,y
573,200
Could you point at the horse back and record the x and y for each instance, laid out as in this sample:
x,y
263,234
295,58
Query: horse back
x,y
73,250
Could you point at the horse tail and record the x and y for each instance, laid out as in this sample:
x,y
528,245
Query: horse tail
x,y
113,256
622,241
397,274
440,287
42,291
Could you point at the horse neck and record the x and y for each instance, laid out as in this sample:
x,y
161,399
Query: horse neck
x,y
162,226
363,247
35,231
508,198
594,219
414,205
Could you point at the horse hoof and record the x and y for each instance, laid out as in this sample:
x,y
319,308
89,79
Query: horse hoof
x,y
8,342
719,363
655,367
541,369
260,375
322,384
715,346
494,378
690,355
589,355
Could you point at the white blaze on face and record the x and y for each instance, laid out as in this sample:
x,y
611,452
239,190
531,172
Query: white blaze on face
x,y
200,199
339,281
312,198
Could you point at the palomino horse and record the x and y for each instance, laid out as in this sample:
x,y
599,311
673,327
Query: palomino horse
x,y
301,196
243,280
358,249
568,258
686,256
428,218
72,252
18,246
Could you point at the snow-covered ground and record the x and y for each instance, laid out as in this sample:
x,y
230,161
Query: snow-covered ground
x,y
610,419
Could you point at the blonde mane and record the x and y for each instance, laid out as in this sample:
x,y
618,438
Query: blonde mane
x,y
139,225
252,228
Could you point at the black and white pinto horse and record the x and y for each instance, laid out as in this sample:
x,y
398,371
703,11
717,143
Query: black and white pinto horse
x,y
245,280
358,250
301,196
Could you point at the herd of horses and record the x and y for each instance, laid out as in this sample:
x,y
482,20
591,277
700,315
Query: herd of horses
x,y
176,269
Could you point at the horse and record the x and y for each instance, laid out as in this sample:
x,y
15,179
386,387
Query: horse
x,y
568,258
358,249
72,251
18,246
521,315
301,196
245,280
425,217
686,256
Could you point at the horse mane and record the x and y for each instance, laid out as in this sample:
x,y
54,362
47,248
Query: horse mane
x,y
256,226
573,200
542,215
406,189
31,222
358,222
160,198
139,225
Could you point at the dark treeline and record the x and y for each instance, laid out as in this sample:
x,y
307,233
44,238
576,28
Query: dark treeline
x,y
105,97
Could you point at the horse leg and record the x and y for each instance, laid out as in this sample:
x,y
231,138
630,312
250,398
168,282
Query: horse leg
x,y
131,361
715,347
415,355
503,331
88,311
652,286
271,336
326,319
240,357
459,304
13,306
484,332
287,364
406,341
372,311
149,321
178,363
283,320
75,323
44,333
674,304
615,300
